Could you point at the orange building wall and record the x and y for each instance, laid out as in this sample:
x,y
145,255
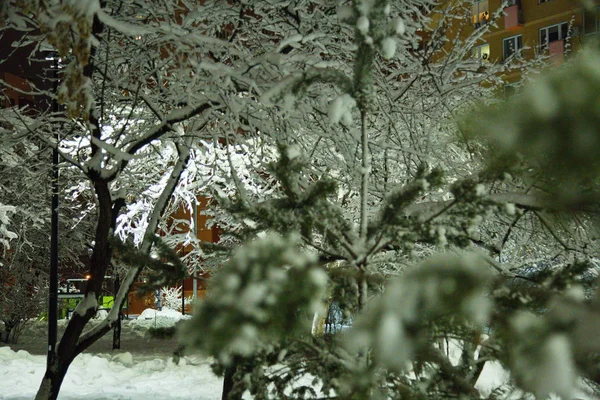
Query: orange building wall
x,y
534,16
11,96
137,303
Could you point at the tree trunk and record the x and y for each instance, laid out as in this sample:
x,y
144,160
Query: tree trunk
x,y
53,378
363,291
72,342
69,347
229,383
5,335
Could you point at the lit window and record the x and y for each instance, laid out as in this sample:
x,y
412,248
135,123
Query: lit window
x,y
553,33
480,12
481,52
512,45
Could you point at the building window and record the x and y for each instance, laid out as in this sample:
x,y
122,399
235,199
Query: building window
x,y
553,33
481,52
543,1
480,12
512,45
591,20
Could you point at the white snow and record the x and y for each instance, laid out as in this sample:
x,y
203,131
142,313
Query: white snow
x,y
121,26
117,154
89,302
393,350
345,13
388,47
136,377
543,100
492,376
87,8
5,234
479,189
341,109
96,377
163,318
362,24
293,152
510,208
550,371
398,26
289,41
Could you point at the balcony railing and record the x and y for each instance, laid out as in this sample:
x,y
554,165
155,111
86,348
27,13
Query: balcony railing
x,y
557,52
513,17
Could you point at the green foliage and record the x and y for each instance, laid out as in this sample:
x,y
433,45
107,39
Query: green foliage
x,y
256,300
395,325
302,205
393,209
422,336
551,127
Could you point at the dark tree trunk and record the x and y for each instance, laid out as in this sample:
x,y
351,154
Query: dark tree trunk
x,y
229,383
8,328
68,348
71,344
116,345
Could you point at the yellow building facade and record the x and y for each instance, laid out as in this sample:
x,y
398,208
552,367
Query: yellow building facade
x,y
548,27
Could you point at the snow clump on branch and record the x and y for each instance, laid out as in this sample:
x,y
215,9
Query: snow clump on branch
x,y
396,322
341,109
5,234
266,292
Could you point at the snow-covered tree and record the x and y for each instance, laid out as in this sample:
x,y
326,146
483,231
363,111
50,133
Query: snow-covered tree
x,y
128,86
171,298
25,172
375,174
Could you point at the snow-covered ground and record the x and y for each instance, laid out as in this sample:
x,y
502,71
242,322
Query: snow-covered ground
x,y
102,376
147,370
125,376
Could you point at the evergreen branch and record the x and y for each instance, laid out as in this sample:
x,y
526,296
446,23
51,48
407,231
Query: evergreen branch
x,y
447,207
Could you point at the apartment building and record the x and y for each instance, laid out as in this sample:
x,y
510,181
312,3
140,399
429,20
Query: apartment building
x,y
20,72
549,27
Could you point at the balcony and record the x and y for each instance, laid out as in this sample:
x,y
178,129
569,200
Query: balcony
x,y
514,17
557,52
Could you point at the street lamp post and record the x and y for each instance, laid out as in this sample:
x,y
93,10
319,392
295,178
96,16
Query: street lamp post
x,y
53,289
117,329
